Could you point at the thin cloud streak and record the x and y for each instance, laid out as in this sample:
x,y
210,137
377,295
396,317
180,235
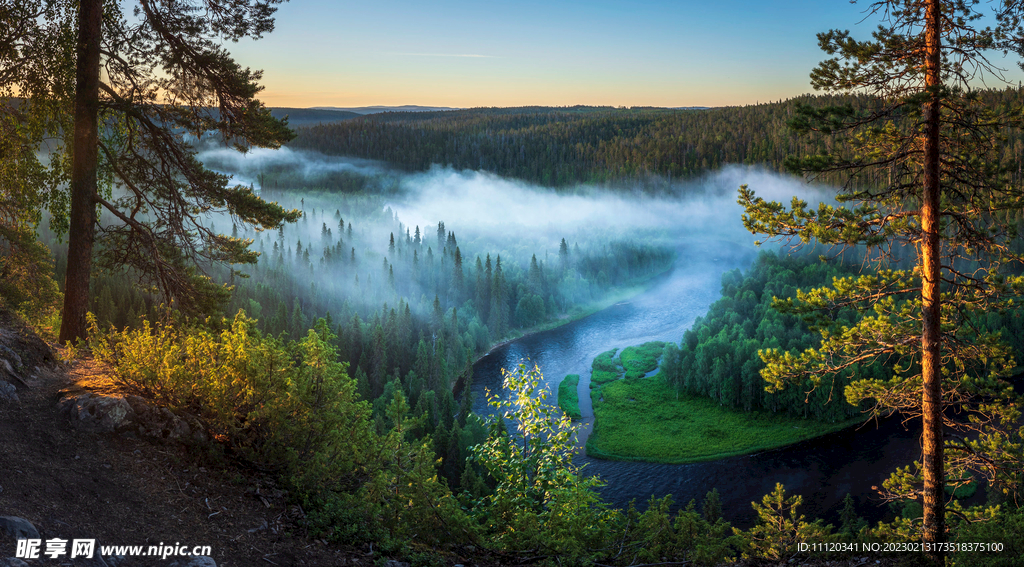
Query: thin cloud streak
x,y
471,55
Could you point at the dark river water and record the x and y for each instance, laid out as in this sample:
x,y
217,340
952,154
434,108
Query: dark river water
x,y
822,470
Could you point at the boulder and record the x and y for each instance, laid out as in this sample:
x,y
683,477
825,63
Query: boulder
x,y
94,412
8,393
129,415
18,528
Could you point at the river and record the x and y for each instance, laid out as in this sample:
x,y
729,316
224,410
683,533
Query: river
x,y
822,470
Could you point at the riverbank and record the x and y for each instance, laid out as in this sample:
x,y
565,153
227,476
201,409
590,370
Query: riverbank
x,y
643,419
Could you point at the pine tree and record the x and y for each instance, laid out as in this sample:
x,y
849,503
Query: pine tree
x,y
158,170
922,165
711,509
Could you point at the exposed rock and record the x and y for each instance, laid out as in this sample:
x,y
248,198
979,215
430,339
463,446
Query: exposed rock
x,y
197,561
129,415
8,356
8,393
13,562
21,347
93,412
18,528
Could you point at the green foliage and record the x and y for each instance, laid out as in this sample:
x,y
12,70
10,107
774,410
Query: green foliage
x,y
962,485
692,537
779,529
541,501
647,420
31,110
1006,528
407,497
568,398
292,406
568,146
530,310
27,286
324,434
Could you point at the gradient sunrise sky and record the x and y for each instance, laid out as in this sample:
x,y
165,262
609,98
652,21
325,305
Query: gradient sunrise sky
x,y
462,53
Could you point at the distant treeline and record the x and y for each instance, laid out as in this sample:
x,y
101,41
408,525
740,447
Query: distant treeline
x,y
569,145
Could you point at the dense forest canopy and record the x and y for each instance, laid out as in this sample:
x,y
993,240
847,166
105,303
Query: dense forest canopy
x,y
562,146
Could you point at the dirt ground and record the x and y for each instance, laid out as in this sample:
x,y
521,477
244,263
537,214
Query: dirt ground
x,y
128,491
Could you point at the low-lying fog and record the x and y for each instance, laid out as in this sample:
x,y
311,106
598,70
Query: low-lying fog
x,y
491,210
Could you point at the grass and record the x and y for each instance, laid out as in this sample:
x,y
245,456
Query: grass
x,y
639,360
642,420
605,369
568,399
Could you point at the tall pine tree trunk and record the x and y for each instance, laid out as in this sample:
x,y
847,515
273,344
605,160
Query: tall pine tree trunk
x,y
83,170
931,362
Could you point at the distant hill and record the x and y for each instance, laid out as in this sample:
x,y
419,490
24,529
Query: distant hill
x,y
309,116
560,146
362,110
563,146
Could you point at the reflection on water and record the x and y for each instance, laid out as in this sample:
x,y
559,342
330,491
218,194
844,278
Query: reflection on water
x,y
823,470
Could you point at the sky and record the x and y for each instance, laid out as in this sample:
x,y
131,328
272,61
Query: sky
x,y
461,53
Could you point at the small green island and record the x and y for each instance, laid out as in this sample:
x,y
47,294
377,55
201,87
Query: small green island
x,y
568,399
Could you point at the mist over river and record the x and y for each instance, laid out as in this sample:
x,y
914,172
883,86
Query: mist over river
x,y
822,470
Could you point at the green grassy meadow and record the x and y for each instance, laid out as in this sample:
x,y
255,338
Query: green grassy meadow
x,y
641,419
605,369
